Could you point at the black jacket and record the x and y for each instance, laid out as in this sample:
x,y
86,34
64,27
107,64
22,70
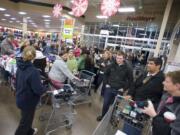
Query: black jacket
x,y
152,89
105,62
28,85
160,126
118,76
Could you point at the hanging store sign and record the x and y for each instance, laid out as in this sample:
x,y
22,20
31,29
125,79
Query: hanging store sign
x,y
109,7
79,7
68,28
140,18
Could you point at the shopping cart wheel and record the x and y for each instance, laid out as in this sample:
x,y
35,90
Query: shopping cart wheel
x,y
69,126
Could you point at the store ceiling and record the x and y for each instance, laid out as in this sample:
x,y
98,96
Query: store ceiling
x,y
36,8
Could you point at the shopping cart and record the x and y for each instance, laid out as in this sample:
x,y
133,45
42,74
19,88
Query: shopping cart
x,y
62,113
83,87
126,116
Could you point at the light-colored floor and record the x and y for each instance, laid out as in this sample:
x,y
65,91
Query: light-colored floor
x,y
85,120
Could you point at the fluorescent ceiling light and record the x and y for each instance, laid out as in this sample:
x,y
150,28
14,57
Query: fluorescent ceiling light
x,y
47,23
122,30
2,9
143,34
126,9
115,25
47,20
3,19
101,17
67,16
21,23
72,1
13,18
7,15
22,13
10,21
30,21
62,18
28,17
139,28
71,13
46,16
18,21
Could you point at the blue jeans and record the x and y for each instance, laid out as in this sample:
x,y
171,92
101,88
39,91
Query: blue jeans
x,y
109,96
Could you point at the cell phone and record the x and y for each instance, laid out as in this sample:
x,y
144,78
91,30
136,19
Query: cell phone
x,y
142,104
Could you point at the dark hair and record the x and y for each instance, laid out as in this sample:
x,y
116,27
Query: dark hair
x,y
157,61
83,50
175,76
62,53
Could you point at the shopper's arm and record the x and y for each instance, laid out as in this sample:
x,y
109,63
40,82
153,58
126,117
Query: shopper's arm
x,y
160,127
130,81
63,67
35,83
175,130
106,74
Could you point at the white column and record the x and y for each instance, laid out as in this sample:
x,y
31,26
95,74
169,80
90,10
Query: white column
x,y
177,56
173,46
61,34
24,27
163,26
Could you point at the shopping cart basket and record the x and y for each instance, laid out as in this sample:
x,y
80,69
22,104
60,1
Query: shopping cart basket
x,y
62,113
83,87
126,116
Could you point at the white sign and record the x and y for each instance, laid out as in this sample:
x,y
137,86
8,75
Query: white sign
x,y
120,133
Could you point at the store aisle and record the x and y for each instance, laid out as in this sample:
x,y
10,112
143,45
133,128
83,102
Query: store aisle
x,y
84,124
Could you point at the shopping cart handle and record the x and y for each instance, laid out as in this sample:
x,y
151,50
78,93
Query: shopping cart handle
x,y
55,92
122,97
90,73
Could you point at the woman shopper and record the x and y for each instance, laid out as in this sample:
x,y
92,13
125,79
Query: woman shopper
x,y
72,62
28,91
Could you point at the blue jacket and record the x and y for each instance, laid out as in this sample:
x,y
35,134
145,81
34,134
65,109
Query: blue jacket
x,y
28,85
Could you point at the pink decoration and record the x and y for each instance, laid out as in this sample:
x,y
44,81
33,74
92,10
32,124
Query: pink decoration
x,y
57,10
79,7
109,7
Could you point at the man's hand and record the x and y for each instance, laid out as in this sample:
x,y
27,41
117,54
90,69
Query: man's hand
x,y
108,86
102,64
127,97
150,110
